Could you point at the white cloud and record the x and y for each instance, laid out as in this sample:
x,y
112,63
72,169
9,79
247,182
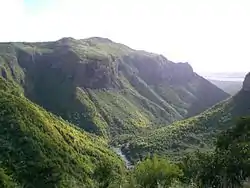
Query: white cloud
x,y
210,34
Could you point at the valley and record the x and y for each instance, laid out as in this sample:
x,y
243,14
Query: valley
x,y
96,113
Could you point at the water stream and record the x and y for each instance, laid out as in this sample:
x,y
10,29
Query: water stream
x,y
123,157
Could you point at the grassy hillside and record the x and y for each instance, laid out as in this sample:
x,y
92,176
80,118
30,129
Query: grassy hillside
x,y
38,149
104,87
198,132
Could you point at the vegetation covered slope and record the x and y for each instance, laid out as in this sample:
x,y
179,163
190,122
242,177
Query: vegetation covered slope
x,y
197,132
39,150
105,87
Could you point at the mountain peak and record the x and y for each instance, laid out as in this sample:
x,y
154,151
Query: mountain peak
x,y
66,39
186,66
246,83
99,39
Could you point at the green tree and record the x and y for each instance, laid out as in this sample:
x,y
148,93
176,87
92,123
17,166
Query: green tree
x,y
233,154
5,180
107,175
196,167
156,172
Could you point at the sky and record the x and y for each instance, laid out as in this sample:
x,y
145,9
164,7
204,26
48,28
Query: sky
x,y
212,35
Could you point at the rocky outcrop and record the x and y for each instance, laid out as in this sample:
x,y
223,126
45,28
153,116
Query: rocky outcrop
x,y
246,83
156,69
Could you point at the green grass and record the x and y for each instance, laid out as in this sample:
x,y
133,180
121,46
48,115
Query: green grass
x,y
119,111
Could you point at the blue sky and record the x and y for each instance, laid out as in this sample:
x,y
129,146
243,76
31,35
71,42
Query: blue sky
x,y
212,35
37,6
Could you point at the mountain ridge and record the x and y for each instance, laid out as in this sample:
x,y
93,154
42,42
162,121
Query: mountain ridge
x,y
79,80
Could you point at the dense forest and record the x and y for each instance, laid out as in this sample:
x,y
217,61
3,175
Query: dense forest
x,y
39,149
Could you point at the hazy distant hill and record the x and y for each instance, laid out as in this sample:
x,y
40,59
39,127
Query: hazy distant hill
x,y
230,82
231,87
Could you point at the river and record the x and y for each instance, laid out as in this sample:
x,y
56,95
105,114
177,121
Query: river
x,y
123,157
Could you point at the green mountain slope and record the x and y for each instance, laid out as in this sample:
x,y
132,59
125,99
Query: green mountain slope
x,y
104,87
37,149
197,132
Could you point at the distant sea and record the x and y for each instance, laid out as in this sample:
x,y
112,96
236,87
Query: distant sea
x,y
225,79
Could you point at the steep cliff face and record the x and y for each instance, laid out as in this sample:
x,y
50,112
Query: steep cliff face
x,y
155,69
106,87
246,83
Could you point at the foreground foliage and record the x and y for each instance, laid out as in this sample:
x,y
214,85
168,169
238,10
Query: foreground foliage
x,y
156,172
228,165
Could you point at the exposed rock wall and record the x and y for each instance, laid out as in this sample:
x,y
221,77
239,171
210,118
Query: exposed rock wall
x,y
246,83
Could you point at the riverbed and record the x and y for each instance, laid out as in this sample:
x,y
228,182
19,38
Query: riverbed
x,y
123,157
